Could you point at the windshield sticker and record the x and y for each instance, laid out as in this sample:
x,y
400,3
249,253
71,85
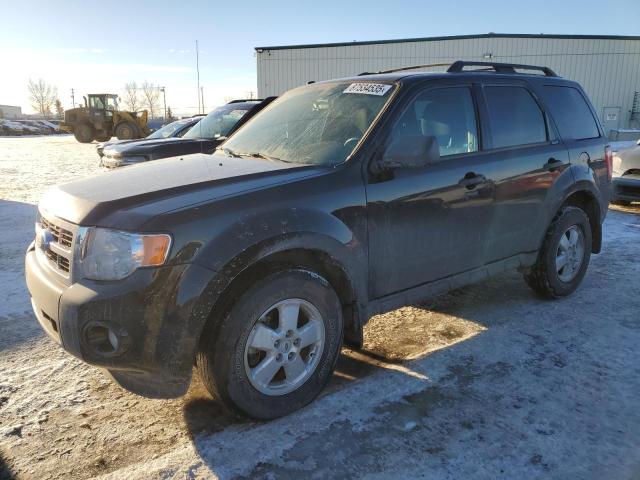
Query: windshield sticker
x,y
378,89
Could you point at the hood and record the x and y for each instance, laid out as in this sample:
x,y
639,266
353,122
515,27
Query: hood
x,y
627,159
111,143
126,198
143,146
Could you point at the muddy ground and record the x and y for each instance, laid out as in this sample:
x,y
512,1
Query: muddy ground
x,y
485,382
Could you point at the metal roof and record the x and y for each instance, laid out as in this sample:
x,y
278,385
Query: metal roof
x,y
452,37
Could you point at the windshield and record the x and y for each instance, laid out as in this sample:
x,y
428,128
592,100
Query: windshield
x,y
219,122
316,124
168,130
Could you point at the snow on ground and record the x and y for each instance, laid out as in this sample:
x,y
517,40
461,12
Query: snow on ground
x,y
484,382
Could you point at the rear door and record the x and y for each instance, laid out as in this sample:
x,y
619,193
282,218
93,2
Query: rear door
x,y
527,158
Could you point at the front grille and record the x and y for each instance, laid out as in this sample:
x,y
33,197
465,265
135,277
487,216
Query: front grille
x,y
58,261
57,251
62,236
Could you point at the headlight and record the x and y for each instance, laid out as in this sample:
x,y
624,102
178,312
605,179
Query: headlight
x,y
616,164
108,254
133,159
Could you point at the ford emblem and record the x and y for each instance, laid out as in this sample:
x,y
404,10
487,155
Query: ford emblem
x,y
44,239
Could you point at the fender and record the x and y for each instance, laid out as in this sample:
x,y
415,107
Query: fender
x,y
351,261
255,236
574,180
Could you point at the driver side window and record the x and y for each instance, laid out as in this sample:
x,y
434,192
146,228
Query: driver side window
x,y
448,114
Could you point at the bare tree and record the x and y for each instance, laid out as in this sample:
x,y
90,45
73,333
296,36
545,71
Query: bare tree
x,y
150,96
131,97
42,96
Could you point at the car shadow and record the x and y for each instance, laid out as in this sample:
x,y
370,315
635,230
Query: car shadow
x,y
5,472
17,322
204,416
441,330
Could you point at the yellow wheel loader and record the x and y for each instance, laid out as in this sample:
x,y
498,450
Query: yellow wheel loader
x,y
100,120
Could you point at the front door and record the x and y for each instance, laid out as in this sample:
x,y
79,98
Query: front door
x,y
430,222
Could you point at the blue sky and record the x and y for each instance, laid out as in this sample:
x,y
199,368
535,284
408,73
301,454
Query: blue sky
x,y
72,44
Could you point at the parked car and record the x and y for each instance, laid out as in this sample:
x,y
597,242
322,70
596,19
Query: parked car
x,y
342,199
621,139
174,129
626,175
202,138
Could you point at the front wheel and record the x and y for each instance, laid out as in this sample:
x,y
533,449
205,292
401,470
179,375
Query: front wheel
x,y
276,348
83,133
126,131
564,257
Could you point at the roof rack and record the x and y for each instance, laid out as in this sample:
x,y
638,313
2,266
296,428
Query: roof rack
x,y
402,69
458,67
240,100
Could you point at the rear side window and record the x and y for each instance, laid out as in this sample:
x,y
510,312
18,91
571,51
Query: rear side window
x,y
571,113
516,118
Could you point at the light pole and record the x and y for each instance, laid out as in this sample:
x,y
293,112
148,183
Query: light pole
x,y
198,70
164,98
202,97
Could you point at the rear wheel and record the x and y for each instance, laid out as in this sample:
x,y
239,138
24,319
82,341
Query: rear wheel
x,y
83,133
126,131
276,348
564,257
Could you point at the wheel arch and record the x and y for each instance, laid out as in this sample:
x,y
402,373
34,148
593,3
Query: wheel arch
x,y
586,199
323,256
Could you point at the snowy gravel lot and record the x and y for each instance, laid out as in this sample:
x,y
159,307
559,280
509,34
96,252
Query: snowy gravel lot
x,y
485,382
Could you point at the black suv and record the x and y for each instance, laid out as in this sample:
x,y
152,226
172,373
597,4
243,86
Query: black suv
x,y
340,200
203,137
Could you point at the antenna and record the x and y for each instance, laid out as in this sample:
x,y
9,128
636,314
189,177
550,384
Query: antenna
x,y
198,70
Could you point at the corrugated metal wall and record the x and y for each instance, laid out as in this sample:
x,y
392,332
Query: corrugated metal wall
x,y
609,70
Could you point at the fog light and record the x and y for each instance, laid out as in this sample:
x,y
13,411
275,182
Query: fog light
x,y
102,339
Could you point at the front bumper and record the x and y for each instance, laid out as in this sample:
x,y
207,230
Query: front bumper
x,y
626,188
151,313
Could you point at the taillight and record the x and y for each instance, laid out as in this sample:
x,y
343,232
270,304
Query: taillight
x,y
608,161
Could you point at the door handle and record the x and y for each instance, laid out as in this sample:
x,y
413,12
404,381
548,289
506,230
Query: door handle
x,y
471,180
552,164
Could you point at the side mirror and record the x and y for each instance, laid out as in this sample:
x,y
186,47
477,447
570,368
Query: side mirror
x,y
411,151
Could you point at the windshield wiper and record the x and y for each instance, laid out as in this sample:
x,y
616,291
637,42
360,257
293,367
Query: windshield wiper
x,y
231,153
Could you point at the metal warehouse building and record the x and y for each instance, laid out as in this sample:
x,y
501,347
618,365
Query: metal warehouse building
x,y
608,67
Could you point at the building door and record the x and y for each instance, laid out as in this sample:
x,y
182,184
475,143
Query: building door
x,y
610,118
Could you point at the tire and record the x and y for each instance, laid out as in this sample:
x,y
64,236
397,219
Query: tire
x,y
228,364
126,131
544,277
84,133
